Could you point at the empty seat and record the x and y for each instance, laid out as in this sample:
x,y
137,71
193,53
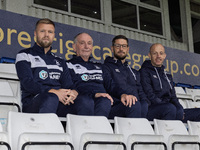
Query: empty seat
x,y
194,127
10,94
37,131
10,99
138,134
194,92
183,103
176,135
192,104
181,94
8,71
93,132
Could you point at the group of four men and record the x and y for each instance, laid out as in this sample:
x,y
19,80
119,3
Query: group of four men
x,y
79,86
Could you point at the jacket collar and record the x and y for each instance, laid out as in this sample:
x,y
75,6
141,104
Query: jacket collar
x,y
79,58
41,49
116,61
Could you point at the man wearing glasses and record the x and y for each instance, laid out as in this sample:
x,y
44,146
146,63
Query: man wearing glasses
x,y
123,83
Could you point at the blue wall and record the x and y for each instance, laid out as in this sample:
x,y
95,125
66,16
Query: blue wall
x,y
16,33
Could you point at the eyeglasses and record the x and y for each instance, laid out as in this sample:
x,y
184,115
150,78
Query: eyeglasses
x,y
118,46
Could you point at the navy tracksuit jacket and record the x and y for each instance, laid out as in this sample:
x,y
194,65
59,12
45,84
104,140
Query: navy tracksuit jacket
x,y
38,73
87,77
158,86
122,79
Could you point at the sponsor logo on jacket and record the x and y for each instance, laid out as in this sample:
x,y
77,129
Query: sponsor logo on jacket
x,y
54,75
86,77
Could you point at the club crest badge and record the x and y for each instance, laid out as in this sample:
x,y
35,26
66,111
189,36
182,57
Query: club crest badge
x,y
43,74
85,77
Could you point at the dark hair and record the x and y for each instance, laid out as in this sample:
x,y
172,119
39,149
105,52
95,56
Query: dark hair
x,y
44,21
119,37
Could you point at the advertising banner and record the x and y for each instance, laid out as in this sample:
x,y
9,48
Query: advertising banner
x,y
17,33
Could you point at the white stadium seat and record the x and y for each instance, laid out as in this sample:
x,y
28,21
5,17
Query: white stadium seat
x,y
139,134
176,135
10,94
93,133
181,94
37,131
192,104
194,92
194,127
183,97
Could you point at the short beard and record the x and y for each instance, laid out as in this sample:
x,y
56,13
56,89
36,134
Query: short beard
x,y
119,57
44,45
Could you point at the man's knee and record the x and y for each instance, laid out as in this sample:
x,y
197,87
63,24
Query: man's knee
x,y
42,103
102,106
165,111
134,111
50,103
84,105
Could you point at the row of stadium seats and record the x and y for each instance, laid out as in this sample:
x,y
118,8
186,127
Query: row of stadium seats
x,y
45,131
10,100
189,98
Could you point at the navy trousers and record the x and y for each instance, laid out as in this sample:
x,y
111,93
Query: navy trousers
x,y
168,111
120,110
165,111
192,114
83,105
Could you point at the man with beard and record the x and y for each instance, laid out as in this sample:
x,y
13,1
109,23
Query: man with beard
x,y
45,80
123,83
158,86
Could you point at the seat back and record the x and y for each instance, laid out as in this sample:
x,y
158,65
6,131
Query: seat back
x,y
169,127
128,126
77,125
183,103
45,141
193,127
192,104
19,123
179,90
193,92
8,71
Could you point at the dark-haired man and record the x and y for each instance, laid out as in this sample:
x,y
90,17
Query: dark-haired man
x,y
45,80
123,83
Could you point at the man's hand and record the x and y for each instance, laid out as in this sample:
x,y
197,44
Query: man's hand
x,y
104,95
65,96
128,100
72,95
